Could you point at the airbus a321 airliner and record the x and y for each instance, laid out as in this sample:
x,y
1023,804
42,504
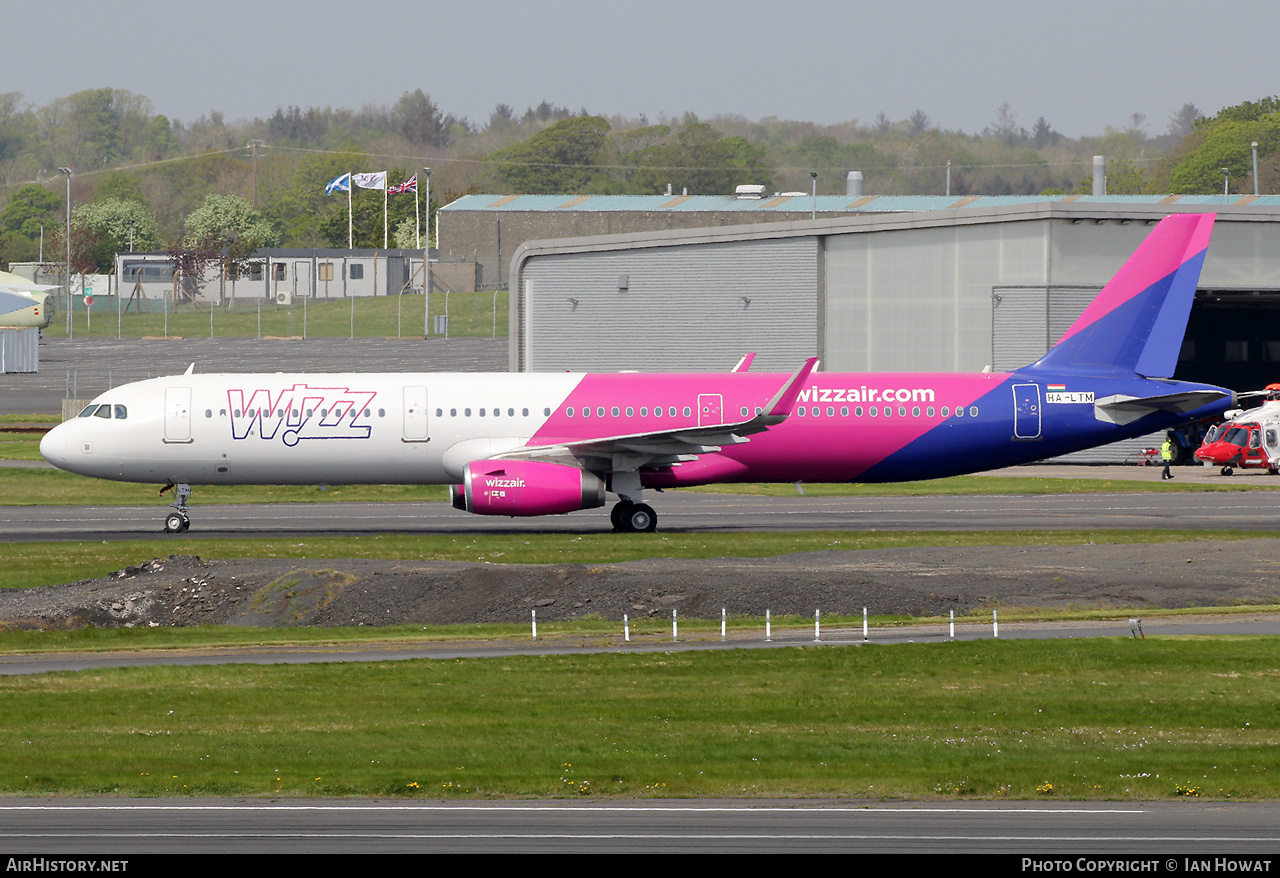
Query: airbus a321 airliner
x,y
541,444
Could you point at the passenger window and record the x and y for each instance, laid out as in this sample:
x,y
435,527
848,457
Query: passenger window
x,y
546,412
973,411
873,411
631,413
844,411
831,411
672,411
614,411
569,412
511,413
915,411
208,413
857,412
600,411
439,413
946,411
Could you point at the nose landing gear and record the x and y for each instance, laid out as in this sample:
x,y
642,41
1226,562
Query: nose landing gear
x,y
178,521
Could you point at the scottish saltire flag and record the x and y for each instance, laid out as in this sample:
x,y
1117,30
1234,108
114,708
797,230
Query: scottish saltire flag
x,y
410,185
341,184
375,180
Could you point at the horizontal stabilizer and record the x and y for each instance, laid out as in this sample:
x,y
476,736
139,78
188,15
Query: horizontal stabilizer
x,y
1126,409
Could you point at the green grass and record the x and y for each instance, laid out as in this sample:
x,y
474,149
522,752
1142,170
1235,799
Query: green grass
x,y
20,446
470,314
1084,719
48,487
46,563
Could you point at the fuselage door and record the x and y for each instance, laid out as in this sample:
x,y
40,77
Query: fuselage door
x,y
710,409
177,414
415,414
1026,411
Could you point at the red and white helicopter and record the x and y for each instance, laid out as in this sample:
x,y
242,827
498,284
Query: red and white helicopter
x,y
1248,439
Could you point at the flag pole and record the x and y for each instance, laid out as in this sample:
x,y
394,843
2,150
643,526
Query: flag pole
x,y
350,235
384,214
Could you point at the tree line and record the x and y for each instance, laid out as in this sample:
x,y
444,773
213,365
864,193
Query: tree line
x,y
144,181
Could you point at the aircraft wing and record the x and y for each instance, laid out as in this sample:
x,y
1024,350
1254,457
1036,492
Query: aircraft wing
x,y
662,447
1122,409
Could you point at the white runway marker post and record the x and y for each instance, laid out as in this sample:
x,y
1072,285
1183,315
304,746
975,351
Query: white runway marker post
x,y
535,624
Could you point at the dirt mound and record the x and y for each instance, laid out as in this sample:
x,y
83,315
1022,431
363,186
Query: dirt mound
x,y
185,590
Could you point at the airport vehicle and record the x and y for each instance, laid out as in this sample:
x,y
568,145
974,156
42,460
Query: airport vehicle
x,y
538,444
1248,439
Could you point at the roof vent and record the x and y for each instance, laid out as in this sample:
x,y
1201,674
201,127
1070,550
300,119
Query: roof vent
x,y
750,191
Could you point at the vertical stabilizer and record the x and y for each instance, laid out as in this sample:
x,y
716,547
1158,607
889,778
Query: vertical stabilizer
x,y
1137,322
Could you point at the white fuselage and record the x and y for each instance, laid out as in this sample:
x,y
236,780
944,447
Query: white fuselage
x,y
349,428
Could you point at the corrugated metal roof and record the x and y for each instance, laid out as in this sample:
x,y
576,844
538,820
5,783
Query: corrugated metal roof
x,y
824,203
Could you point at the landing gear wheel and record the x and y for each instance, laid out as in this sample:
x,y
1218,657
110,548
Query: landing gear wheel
x,y
640,518
1227,470
176,523
617,512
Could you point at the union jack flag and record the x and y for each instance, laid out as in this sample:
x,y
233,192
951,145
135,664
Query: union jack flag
x,y
410,185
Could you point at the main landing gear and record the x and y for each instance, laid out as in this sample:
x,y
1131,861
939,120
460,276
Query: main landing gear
x,y
178,521
629,517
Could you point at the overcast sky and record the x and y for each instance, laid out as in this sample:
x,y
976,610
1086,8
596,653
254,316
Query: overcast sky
x,y
1084,65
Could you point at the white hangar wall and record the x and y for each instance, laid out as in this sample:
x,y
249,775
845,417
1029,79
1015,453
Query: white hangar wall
x,y
920,299
953,290
696,307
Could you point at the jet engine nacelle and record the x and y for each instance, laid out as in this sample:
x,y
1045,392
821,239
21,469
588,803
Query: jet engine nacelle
x,y
524,487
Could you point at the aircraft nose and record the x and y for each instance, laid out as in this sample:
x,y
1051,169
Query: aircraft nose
x,y
53,447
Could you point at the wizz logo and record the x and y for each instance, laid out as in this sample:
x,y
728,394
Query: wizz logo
x,y
300,412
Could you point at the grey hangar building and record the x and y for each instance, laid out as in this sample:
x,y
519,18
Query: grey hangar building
x,y
869,284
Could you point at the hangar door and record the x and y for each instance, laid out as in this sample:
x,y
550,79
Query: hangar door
x,y
695,307
1027,320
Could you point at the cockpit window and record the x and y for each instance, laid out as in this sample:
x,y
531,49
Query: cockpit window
x,y
87,411
121,412
104,411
